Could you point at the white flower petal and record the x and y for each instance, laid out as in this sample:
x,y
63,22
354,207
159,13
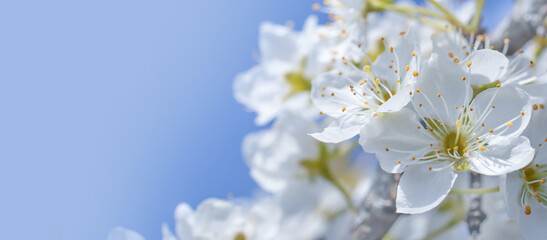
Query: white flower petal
x,y
395,137
441,89
397,101
487,66
510,188
519,71
537,128
184,219
341,129
502,155
505,105
277,43
421,189
261,92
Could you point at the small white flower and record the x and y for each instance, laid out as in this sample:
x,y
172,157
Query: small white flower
x,y
274,155
352,95
449,133
282,78
525,191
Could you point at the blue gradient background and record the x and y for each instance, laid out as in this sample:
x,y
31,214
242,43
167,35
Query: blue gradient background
x,y
115,111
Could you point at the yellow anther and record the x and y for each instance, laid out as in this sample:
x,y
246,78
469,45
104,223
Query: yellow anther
x,y
323,87
407,67
481,148
469,64
437,151
343,109
399,161
387,149
332,94
410,93
413,158
451,55
506,40
491,130
321,113
456,60
498,85
398,80
535,107
543,180
438,95
458,123
415,74
351,86
413,53
463,78
430,168
366,102
366,68
456,106
392,60
471,109
541,106
509,124
417,90
377,80
493,106
340,73
420,105
362,82
322,94
522,112
402,33
390,49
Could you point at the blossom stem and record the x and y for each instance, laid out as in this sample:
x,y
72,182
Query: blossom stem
x,y
475,190
406,9
449,16
474,25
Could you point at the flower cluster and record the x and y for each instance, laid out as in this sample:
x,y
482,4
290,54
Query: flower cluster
x,y
413,89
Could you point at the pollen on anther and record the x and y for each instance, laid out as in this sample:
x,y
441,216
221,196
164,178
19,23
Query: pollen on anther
x,y
362,82
390,49
343,109
478,138
399,161
438,95
322,94
420,105
451,55
535,107
481,148
413,158
471,109
365,102
321,113
413,53
541,106
509,124
430,168
387,149
463,78
469,64
491,130
410,93
417,90
323,87
483,124
493,106
340,73
407,67
415,74
351,86
522,112
392,60
402,33
332,94
527,210
456,60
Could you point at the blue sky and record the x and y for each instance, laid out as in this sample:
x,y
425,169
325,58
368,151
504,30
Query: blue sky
x,y
113,112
